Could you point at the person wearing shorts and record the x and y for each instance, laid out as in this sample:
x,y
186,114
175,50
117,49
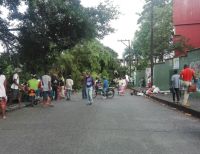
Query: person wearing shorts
x,y
46,82
15,87
3,97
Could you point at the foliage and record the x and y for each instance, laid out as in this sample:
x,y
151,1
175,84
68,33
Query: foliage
x,y
162,29
87,56
163,43
6,64
49,27
58,35
8,39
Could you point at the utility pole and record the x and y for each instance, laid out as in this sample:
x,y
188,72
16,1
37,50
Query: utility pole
x,y
129,48
151,41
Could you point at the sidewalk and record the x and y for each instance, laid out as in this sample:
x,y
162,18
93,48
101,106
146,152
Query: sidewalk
x,y
166,98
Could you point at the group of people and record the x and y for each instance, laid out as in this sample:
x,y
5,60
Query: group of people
x,y
182,81
153,90
89,85
122,84
187,75
48,87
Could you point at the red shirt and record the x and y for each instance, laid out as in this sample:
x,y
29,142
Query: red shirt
x,y
187,74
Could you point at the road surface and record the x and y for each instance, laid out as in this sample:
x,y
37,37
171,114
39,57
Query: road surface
x,y
122,125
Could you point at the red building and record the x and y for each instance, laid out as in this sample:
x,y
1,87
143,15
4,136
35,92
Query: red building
x,y
186,20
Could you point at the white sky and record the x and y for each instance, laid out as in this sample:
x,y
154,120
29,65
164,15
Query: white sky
x,y
125,26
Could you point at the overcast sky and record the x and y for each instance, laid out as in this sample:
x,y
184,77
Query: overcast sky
x,y
125,26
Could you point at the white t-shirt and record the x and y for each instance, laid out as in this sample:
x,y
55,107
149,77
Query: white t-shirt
x,y
2,88
156,90
69,84
45,80
15,77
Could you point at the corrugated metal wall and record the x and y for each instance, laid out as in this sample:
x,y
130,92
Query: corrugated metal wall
x,y
162,73
186,21
186,12
139,75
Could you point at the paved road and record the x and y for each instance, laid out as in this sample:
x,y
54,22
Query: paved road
x,y
122,125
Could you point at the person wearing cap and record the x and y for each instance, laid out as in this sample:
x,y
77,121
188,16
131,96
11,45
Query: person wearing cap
x,y
3,97
33,85
16,86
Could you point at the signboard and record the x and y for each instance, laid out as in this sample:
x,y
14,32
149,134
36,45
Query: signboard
x,y
176,63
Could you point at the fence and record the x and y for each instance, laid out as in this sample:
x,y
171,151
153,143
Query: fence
x,y
163,71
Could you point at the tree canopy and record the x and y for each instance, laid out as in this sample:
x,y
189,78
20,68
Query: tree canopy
x,y
59,33
162,29
87,56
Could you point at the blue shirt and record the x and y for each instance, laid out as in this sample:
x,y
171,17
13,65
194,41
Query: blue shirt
x,y
105,83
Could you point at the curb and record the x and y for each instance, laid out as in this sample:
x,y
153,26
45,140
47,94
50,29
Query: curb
x,y
179,107
11,108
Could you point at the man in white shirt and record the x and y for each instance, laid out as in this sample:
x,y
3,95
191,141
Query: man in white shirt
x,y
15,87
3,96
69,84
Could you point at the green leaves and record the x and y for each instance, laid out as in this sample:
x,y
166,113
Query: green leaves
x,y
49,27
86,56
59,35
162,29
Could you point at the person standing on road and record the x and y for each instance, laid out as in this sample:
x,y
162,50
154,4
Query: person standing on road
x,y
55,83
175,86
186,75
84,95
62,85
3,97
89,88
69,84
46,82
105,86
15,87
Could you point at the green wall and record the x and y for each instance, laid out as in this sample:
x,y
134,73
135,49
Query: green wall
x,y
139,75
163,71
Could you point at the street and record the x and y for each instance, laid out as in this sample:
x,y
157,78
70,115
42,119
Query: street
x,y
122,125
